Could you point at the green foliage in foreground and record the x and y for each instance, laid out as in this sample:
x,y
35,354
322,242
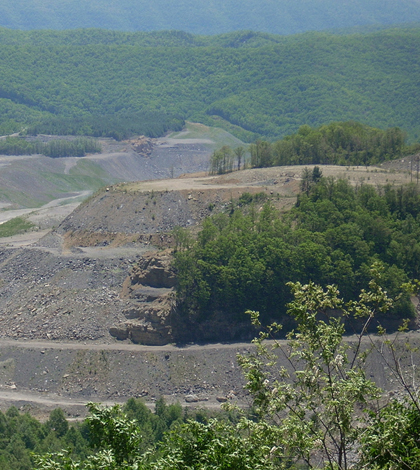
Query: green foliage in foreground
x,y
131,430
266,87
319,411
54,149
392,438
214,445
333,234
15,226
21,434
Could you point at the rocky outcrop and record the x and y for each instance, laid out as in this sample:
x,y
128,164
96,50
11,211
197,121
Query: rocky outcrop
x,y
142,145
152,271
150,291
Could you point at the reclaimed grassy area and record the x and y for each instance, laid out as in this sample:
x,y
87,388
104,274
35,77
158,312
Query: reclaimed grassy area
x,y
14,227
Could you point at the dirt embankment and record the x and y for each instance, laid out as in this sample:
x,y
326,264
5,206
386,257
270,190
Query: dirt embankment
x,y
156,207
63,372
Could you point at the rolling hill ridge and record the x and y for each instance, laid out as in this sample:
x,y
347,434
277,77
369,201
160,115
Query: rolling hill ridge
x,y
267,88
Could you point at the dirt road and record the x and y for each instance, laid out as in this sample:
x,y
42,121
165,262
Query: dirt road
x,y
45,218
117,346
45,375
269,177
59,374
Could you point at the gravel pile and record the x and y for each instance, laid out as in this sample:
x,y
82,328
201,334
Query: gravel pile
x,y
49,296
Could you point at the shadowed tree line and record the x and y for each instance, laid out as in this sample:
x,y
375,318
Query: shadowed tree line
x,y
54,149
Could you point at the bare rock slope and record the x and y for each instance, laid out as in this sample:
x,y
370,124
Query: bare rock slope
x,y
101,272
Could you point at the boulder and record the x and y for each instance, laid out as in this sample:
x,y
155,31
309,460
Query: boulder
x,y
191,399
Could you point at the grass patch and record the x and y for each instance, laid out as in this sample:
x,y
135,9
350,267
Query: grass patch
x,y
14,227
88,168
21,199
219,136
72,182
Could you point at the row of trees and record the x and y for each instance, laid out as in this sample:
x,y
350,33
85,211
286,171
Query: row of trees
x,y
338,143
226,160
119,126
54,149
244,259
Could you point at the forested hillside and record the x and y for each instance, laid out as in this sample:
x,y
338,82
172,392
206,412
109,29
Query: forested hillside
x,y
201,17
243,260
268,87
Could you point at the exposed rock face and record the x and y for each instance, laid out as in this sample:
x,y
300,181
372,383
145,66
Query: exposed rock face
x,y
153,270
142,145
150,288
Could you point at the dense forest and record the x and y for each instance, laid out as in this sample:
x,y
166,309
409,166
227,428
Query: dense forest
x,y
254,85
200,17
243,259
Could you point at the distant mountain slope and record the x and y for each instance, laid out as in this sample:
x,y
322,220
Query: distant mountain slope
x,y
169,38
206,16
267,89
